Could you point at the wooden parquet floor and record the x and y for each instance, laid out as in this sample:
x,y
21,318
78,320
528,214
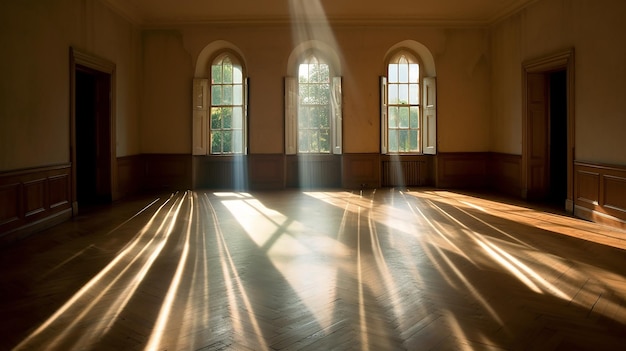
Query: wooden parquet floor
x,y
318,270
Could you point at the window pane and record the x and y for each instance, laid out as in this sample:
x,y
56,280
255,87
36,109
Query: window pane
x,y
303,140
238,141
237,118
403,92
227,145
216,118
314,145
325,140
303,117
227,117
216,74
324,116
414,73
414,117
324,74
414,140
403,142
216,95
228,72
315,117
393,117
393,73
404,117
238,94
403,73
392,94
216,142
414,94
303,73
227,98
237,75
303,93
393,140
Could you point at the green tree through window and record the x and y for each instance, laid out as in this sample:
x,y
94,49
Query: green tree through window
x,y
227,106
403,105
314,114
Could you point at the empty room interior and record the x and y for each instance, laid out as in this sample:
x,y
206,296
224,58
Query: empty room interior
x,y
312,175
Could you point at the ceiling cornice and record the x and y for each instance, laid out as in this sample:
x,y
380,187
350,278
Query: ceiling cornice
x,y
137,17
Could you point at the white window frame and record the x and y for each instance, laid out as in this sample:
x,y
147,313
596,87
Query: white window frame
x,y
291,110
201,120
427,110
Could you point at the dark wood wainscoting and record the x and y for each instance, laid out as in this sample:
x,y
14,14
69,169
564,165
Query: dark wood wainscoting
x,y
33,199
600,193
505,171
462,170
313,171
130,174
361,171
266,171
401,170
220,172
167,171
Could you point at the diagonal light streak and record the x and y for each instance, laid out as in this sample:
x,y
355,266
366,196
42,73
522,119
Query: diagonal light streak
x,y
117,263
233,283
164,314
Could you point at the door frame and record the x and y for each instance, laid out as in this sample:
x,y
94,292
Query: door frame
x,y
79,59
563,60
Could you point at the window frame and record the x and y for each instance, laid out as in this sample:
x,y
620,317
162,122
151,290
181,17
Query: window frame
x,y
236,61
395,58
293,107
426,106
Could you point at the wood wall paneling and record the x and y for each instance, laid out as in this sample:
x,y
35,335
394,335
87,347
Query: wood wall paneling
x,y
462,170
167,172
59,190
130,174
600,193
313,171
33,199
266,171
361,171
505,171
614,195
405,170
10,205
587,188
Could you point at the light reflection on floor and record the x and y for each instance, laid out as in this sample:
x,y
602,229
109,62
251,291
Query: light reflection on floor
x,y
287,270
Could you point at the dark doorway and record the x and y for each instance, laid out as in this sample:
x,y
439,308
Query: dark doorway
x,y
557,138
548,130
93,136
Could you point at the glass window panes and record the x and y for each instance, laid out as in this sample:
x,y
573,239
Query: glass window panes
x,y
403,99
314,106
227,98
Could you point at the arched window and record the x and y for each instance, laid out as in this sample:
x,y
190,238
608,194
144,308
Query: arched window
x,y
313,107
220,106
227,111
403,104
407,107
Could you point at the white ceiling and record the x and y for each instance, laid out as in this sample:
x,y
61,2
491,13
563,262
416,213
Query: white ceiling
x,y
448,12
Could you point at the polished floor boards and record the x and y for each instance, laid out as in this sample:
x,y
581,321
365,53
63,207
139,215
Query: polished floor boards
x,y
316,270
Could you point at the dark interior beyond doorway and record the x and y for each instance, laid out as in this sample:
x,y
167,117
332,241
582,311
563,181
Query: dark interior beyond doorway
x,y
92,137
558,138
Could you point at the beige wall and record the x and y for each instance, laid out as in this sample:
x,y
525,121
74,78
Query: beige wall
x,y
595,29
461,59
35,37
478,71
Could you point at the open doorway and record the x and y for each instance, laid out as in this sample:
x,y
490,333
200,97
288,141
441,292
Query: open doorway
x,y
557,142
92,130
548,130
93,137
